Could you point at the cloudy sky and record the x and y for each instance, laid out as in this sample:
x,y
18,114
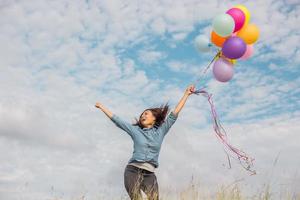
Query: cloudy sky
x,y
58,58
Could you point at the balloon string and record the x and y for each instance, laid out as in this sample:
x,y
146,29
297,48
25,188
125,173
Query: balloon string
x,y
245,160
218,54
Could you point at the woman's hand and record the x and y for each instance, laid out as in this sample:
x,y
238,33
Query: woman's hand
x,y
189,90
105,110
98,105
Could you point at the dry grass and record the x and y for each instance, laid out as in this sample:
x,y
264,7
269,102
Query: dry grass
x,y
231,192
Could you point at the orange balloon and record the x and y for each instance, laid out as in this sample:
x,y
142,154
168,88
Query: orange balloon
x,y
249,33
217,40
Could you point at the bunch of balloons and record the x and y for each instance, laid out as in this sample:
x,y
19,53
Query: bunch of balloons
x,y
234,37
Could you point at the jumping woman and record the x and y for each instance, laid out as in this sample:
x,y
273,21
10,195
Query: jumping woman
x,y
147,134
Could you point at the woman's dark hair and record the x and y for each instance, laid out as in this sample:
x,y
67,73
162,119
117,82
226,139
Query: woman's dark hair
x,y
159,113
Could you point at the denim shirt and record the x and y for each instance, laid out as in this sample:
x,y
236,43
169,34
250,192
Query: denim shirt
x,y
146,141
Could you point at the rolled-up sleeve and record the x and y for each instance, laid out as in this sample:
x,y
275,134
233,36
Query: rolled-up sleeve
x,y
170,120
127,127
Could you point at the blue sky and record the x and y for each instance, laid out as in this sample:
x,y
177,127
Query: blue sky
x,y
58,58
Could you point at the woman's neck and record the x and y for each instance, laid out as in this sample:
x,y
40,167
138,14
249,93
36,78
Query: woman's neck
x,y
148,126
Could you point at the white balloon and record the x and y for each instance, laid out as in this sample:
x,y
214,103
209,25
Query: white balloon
x,y
202,43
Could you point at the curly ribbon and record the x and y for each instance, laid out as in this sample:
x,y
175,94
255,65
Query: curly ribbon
x,y
245,160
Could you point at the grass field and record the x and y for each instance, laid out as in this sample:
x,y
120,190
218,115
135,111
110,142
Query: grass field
x,y
230,192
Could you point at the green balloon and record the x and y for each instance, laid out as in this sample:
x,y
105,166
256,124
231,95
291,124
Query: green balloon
x,y
223,25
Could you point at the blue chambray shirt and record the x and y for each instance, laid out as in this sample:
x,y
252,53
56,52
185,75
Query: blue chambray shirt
x,y
146,141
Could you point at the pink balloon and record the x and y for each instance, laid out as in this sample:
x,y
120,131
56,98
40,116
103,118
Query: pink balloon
x,y
248,53
238,17
223,70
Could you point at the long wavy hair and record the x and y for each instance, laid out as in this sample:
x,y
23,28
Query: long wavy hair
x,y
159,113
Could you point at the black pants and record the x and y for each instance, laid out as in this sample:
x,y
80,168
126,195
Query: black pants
x,y
136,179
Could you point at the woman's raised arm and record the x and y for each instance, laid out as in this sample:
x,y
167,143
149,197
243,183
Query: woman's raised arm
x,y
105,110
189,90
124,125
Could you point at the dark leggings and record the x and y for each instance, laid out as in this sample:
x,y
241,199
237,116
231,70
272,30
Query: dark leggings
x,y
136,179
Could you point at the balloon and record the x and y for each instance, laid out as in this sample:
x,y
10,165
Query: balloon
x,y
223,70
238,17
249,33
248,53
223,25
202,43
234,47
217,40
246,12
233,61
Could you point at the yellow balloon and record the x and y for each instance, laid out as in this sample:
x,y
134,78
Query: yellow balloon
x,y
233,61
246,12
249,33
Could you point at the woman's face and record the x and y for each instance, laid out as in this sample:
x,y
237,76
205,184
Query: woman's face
x,y
147,119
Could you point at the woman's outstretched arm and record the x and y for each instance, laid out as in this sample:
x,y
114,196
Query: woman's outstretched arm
x,y
189,90
124,125
105,110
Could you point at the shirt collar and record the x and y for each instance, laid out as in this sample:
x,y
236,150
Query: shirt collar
x,y
149,128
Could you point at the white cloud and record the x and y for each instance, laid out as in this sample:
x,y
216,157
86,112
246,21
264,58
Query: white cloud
x,y
185,67
179,36
159,26
151,56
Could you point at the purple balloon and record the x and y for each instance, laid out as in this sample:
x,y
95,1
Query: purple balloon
x,y
234,47
223,70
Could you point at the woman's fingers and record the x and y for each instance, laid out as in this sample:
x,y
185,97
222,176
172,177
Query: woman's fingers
x,y
98,105
192,88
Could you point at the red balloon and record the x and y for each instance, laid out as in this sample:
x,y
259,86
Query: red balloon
x,y
238,17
